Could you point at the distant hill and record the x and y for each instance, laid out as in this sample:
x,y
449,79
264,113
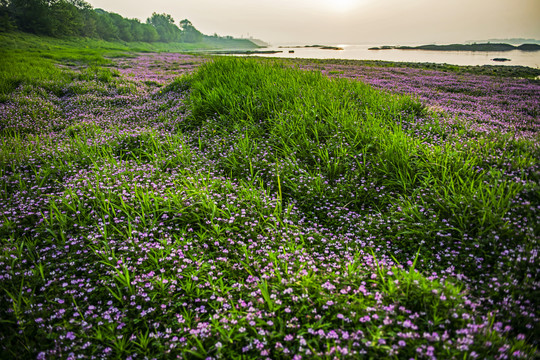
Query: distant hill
x,y
228,42
259,42
513,41
529,47
465,47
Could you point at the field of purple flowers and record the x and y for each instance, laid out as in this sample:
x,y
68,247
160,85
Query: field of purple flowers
x,y
172,206
479,103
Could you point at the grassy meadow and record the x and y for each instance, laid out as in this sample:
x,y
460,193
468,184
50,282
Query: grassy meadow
x,y
33,60
160,206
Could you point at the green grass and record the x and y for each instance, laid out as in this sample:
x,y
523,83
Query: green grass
x,y
261,202
35,60
333,127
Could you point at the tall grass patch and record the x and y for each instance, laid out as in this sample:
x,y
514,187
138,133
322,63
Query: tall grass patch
x,y
254,210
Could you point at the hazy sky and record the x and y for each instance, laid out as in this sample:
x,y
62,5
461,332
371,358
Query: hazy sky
x,y
347,21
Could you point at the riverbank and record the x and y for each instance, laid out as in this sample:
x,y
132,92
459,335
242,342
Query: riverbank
x,y
464,47
459,58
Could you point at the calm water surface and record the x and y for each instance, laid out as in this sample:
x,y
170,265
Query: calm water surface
x,y
361,52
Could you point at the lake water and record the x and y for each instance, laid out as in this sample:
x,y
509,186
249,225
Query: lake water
x,y
361,52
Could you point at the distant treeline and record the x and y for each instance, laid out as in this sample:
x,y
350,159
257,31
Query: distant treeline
x,y
464,47
59,18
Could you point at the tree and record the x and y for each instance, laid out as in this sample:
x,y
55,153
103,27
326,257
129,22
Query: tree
x,y
32,16
165,27
189,33
105,27
65,19
149,33
88,18
78,18
6,22
123,26
136,29
51,17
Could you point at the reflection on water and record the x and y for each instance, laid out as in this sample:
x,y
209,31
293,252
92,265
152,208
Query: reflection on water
x,y
361,52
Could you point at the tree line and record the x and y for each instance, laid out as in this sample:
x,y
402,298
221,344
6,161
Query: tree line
x,y
59,18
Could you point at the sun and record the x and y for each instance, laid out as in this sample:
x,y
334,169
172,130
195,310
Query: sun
x,y
342,5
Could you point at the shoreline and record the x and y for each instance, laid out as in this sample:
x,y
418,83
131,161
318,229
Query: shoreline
x,y
498,70
487,47
361,52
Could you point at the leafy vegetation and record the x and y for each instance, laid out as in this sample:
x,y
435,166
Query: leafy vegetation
x,y
255,210
52,63
62,18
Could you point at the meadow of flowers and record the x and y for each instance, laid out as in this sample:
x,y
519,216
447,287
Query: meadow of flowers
x,y
172,206
481,103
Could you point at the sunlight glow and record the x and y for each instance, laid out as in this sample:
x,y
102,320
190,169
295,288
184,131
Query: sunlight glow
x,y
342,5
